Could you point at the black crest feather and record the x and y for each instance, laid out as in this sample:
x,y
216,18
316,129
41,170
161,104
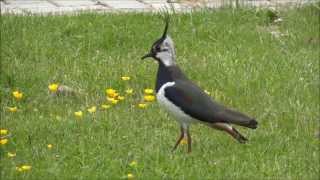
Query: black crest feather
x,y
167,20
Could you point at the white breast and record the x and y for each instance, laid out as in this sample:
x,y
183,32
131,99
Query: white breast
x,y
182,117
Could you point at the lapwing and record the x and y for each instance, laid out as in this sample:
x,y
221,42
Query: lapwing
x,y
186,101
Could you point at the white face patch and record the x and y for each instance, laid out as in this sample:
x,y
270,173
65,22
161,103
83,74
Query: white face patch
x,y
166,58
183,118
167,54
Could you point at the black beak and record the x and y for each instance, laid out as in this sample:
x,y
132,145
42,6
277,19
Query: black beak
x,y
147,55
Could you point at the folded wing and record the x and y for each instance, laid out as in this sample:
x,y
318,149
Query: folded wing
x,y
197,104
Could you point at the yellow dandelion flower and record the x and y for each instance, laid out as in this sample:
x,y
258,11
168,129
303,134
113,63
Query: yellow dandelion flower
x,y
23,168
105,106
121,98
49,146
3,131
111,92
207,92
78,114
17,94
149,98
3,141
130,176
129,91
53,87
148,91
93,109
142,105
13,109
125,78
11,155
133,163
115,95
26,167
184,141
112,100
19,169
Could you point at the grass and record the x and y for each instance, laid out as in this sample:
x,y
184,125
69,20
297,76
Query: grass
x,y
228,52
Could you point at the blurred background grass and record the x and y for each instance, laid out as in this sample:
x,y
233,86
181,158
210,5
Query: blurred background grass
x,y
233,54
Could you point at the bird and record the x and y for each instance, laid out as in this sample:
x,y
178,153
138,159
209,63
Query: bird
x,y
186,101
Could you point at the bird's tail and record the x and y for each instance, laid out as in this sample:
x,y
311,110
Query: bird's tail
x,y
237,118
250,123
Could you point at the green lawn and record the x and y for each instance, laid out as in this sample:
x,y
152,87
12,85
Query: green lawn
x,y
230,53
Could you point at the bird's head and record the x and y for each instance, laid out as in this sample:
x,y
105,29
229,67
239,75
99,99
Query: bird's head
x,y
162,49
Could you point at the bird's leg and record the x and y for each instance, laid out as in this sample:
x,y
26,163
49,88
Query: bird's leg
x,y
189,141
230,130
179,139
